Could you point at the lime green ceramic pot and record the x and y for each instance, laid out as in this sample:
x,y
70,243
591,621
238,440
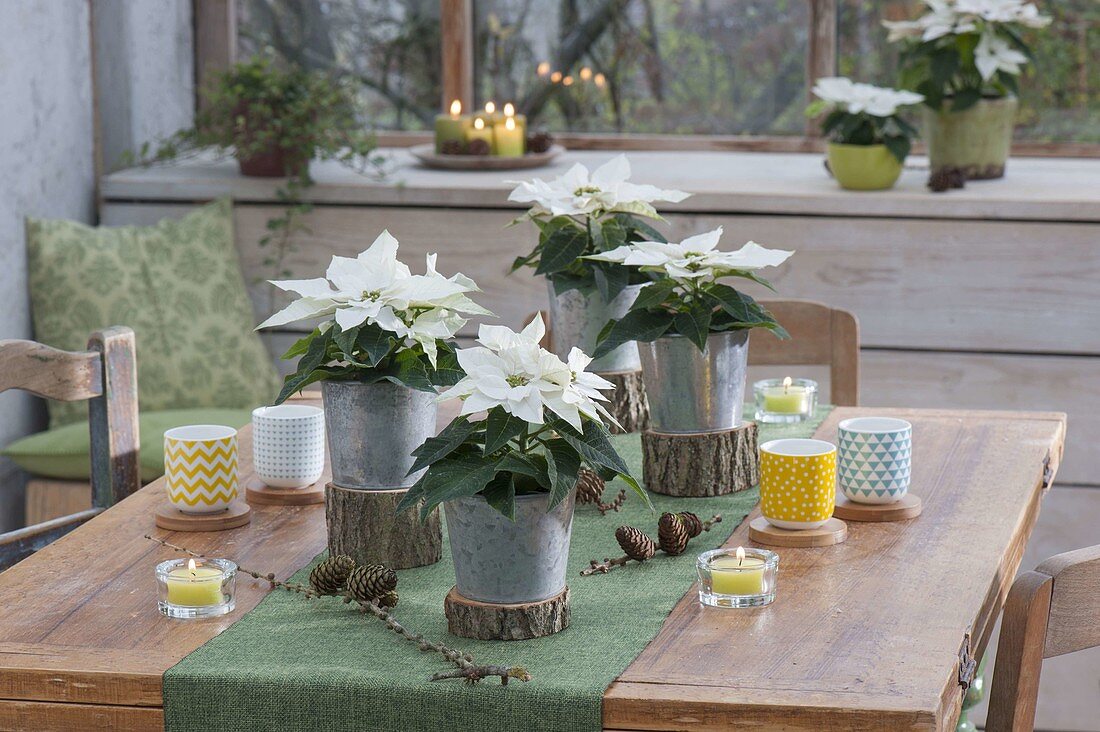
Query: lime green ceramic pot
x,y
975,140
863,167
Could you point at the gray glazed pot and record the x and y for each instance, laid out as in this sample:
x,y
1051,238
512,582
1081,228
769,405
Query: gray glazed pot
x,y
505,562
372,430
576,319
693,391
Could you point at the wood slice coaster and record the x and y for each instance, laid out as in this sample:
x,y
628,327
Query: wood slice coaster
x,y
488,621
628,404
908,507
833,531
170,518
258,492
365,525
704,464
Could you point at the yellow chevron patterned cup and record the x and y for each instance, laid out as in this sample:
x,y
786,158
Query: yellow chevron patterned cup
x,y
200,467
797,482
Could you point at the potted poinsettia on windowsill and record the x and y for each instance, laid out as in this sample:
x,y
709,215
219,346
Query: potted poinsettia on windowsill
x,y
506,479
868,140
583,213
964,57
380,355
693,329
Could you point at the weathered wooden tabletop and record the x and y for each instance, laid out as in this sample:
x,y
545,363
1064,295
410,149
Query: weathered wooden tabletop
x,y
864,635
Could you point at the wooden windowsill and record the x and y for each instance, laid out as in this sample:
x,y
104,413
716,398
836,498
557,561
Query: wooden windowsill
x,y
1034,189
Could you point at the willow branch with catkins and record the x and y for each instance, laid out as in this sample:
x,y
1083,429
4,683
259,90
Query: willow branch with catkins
x,y
466,668
638,547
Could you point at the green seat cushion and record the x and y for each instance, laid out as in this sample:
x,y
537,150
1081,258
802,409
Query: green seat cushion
x,y
177,284
63,452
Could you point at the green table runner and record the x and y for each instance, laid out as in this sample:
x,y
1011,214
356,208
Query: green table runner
x,y
292,664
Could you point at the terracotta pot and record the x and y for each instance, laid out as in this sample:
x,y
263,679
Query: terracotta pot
x,y
863,167
976,140
273,163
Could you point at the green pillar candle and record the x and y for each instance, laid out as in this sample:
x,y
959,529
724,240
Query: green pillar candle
x,y
451,126
508,140
480,131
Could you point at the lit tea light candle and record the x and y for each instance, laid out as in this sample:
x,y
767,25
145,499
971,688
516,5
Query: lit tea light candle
x,y
737,578
451,126
190,589
194,585
787,400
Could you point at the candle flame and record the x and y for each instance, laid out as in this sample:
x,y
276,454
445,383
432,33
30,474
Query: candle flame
x,y
786,384
510,123
600,80
479,124
191,566
490,107
555,77
509,109
740,555
586,73
456,108
544,68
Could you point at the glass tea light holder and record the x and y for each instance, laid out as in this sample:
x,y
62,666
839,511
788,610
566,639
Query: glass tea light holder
x,y
187,588
785,400
737,577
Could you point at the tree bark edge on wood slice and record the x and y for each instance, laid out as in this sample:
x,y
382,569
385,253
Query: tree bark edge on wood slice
x,y
627,403
489,621
365,526
701,464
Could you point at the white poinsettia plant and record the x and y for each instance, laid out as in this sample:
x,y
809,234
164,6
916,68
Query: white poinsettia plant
x,y
963,50
382,322
864,114
529,422
687,297
582,213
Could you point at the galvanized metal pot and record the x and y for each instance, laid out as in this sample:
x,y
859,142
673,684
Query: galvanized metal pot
x,y
502,561
692,391
576,319
373,429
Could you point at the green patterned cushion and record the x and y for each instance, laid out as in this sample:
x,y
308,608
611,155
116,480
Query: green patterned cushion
x,y
178,284
63,452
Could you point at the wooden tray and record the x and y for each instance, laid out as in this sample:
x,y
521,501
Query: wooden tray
x,y
427,156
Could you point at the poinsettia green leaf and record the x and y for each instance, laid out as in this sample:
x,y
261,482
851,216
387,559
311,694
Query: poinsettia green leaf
x,y
561,249
315,356
500,428
563,464
694,323
501,495
438,447
636,325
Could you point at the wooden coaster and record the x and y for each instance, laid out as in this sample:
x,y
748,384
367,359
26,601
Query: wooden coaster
x,y
258,492
703,464
365,525
833,531
908,507
170,518
488,621
628,404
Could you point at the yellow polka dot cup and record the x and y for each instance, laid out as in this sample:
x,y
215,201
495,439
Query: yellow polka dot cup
x,y
797,482
200,467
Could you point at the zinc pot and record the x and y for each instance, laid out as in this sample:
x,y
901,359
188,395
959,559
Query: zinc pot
x,y
977,140
576,319
692,391
372,431
502,561
863,167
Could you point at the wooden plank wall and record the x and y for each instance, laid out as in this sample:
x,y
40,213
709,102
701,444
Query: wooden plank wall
x,y
966,314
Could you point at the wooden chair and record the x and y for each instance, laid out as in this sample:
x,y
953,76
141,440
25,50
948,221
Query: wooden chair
x,y
1049,612
819,335
106,375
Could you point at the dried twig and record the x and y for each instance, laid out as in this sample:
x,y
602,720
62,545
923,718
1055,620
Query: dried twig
x,y
615,505
595,567
466,668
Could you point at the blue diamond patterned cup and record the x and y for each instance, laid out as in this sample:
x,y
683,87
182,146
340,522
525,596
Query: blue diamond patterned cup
x,y
874,459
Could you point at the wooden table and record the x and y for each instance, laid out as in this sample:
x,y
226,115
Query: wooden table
x,y
865,635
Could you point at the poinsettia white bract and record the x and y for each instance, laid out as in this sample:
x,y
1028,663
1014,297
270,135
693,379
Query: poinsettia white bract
x,y
863,114
384,321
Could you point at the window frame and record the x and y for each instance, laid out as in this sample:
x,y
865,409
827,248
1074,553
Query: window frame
x,y
215,48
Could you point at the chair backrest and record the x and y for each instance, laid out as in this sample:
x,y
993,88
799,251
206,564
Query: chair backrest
x,y
106,377
1050,611
820,335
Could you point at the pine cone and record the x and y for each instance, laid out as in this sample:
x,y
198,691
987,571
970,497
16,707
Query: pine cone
x,y
692,523
945,178
371,582
589,486
673,533
452,147
635,543
330,576
539,142
478,147
388,600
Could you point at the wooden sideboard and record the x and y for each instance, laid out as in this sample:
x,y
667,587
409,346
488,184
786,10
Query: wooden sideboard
x,y
987,297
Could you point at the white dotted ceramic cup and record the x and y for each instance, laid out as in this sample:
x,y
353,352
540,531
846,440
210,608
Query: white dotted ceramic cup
x,y
288,445
797,482
876,456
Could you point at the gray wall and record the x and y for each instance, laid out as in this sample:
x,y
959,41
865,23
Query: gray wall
x,y
47,149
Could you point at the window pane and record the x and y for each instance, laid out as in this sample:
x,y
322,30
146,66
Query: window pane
x,y
392,47
1060,92
657,66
